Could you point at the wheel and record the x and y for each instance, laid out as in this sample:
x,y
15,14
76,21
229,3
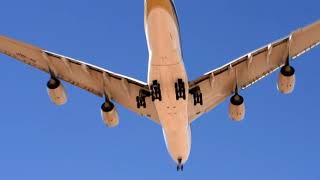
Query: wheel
x,y
159,92
177,91
152,94
184,94
138,104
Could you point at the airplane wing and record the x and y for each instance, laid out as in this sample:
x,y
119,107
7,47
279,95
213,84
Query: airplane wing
x,y
220,83
98,81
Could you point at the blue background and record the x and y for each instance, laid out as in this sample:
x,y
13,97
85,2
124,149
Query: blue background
x,y
279,138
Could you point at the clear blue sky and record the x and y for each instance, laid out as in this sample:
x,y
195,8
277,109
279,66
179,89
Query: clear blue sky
x,y
279,138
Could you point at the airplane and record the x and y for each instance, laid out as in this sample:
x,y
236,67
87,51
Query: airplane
x,y
169,98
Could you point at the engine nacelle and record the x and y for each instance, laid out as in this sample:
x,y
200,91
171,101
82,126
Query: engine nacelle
x,y
56,92
237,108
287,79
109,114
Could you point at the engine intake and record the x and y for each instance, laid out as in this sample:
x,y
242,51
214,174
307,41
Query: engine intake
x,y
109,114
287,79
237,108
56,92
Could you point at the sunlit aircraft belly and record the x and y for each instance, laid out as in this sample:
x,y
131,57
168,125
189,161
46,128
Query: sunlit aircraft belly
x,y
166,66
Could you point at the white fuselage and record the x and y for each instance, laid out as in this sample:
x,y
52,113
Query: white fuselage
x,y
166,66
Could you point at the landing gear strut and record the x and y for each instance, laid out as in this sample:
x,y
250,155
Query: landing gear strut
x,y
197,95
180,165
141,99
180,89
156,91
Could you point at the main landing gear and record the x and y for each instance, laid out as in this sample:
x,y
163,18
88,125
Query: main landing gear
x,y
197,95
180,165
141,99
180,89
156,91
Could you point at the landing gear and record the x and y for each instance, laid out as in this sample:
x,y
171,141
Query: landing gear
x,y
180,89
197,95
156,91
141,99
180,165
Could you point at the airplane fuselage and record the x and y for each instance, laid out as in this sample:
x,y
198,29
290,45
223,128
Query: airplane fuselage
x,y
166,67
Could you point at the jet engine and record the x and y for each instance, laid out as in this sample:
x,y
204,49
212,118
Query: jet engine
x,y
236,108
56,91
109,114
287,79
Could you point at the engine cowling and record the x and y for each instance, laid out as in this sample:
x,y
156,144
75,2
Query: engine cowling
x,y
287,79
109,114
56,92
237,108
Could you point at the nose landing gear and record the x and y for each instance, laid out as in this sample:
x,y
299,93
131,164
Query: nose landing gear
x,y
180,165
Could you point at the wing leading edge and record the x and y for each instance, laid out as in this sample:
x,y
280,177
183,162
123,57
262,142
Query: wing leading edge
x,y
220,83
119,88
